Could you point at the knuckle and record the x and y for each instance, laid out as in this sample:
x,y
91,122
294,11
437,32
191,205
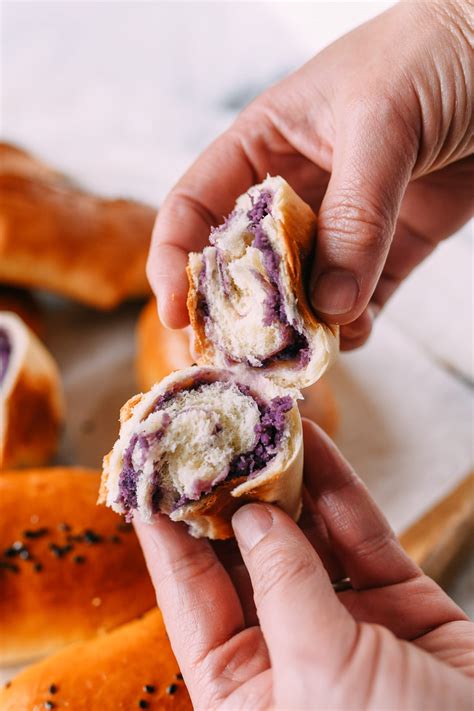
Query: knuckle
x,y
373,544
278,572
358,223
190,569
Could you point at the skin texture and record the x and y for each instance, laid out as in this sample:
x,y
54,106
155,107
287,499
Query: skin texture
x,y
393,641
375,133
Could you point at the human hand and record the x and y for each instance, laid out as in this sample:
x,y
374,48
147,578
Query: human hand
x,y
393,641
375,132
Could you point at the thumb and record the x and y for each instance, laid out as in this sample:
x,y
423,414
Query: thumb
x,y
299,613
372,164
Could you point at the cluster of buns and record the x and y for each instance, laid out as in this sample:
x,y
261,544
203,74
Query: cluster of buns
x,y
72,574
213,436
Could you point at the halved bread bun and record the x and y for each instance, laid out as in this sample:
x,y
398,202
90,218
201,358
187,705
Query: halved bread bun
x,y
160,351
31,401
247,301
203,442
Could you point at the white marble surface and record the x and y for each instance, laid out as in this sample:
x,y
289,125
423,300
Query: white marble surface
x,y
123,96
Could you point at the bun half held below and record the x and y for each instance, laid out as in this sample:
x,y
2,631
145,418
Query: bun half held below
x,y
201,443
31,400
247,300
113,672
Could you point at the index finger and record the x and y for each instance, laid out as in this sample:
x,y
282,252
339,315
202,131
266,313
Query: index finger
x,y
199,201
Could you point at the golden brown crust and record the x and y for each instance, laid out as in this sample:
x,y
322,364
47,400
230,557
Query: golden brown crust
x,y
67,600
31,403
32,422
105,674
159,350
57,237
203,348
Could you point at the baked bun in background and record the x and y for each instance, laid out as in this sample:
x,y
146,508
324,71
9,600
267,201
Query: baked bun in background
x,y
247,301
22,303
31,402
68,568
114,672
201,443
57,237
160,351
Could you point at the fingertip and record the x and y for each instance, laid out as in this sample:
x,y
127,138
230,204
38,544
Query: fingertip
x,y
251,523
172,309
166,271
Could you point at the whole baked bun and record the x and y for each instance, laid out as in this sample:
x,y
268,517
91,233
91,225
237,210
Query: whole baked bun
x,y
61,238
31,400
132,667
202,442
160,351
68,569
247,301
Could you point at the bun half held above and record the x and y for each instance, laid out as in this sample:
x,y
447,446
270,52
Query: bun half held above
x,y
201,443
113,672
57,237
31,402
247,300
68,568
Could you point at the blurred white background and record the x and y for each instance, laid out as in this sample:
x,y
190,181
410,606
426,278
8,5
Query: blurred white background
x,y
123,96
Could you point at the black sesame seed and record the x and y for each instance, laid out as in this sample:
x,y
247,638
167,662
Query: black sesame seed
x,y
38,567
115,539
36,533
49,705
14,549
172,689
53,689
91,537
60,551
24,554
64,527
9,566
142,704
79,559
149,688
179,676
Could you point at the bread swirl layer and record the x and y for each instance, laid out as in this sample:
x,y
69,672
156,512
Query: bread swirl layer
x,y
247,298
204,428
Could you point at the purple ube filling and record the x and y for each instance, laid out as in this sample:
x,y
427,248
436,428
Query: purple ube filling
x,y
5,353
297,347
268,434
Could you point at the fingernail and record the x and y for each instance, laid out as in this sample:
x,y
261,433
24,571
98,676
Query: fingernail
x,y
335,293
251,523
